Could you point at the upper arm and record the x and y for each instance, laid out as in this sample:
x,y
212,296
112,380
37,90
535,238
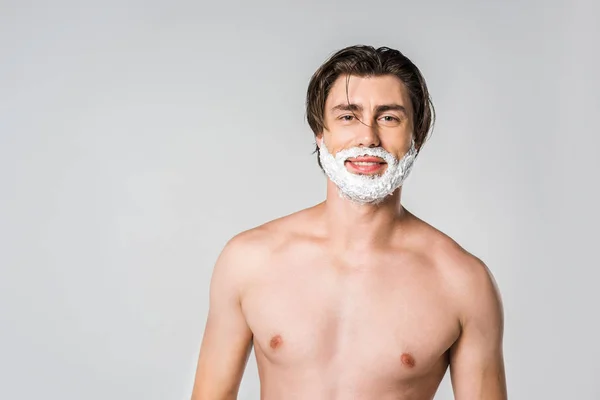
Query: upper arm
x,y
476,359
227,340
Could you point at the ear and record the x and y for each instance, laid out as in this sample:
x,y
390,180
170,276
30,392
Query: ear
x,y
319,140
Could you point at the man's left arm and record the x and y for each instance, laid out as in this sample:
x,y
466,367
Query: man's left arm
x,y
476,359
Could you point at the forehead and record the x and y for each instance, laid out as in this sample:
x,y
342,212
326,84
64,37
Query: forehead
x,y
368,91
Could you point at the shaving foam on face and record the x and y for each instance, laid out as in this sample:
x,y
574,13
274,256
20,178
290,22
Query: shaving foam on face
x,y
365,189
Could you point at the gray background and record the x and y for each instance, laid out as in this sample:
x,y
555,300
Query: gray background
x,y
137,137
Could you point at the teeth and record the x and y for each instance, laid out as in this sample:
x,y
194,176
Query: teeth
x,y
364,163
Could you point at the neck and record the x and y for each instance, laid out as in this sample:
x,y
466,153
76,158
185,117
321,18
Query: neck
x,y
354,226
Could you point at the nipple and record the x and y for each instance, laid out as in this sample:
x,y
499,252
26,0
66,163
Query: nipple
x,y
407,360
276,342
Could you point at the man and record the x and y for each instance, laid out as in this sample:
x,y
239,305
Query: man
x,y
355,298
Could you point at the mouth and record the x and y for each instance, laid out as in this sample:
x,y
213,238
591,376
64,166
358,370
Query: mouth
x,y
365,165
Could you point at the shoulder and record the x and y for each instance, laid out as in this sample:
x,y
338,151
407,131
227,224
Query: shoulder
x,y
468,282
471,284
272,235
250,250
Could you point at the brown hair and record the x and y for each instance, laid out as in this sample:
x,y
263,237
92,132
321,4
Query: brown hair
x,y
366,61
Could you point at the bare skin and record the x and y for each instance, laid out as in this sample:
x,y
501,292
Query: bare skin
x,y
347,301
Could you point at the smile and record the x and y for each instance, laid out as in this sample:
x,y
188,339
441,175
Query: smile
x,y
365,167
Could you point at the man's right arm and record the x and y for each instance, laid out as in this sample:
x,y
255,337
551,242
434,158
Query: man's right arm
x,y
227,339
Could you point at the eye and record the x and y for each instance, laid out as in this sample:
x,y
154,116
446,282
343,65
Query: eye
x,y
348,117
389,118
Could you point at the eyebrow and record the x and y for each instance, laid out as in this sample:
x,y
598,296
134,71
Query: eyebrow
x,y
379,109
347,107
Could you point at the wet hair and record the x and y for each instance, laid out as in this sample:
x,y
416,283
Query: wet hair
x,y
367,61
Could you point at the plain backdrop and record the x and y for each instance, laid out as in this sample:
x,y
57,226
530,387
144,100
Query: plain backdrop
x,y
137,137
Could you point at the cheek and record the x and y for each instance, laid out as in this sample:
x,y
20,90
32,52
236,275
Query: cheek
x,y
338,140
398,148
342,133
331,142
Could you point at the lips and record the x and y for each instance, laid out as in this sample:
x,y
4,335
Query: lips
x,y
365,165
366,159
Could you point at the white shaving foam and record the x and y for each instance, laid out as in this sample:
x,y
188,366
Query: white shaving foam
x,y
367,189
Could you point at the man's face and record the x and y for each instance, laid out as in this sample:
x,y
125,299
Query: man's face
x,y
373,112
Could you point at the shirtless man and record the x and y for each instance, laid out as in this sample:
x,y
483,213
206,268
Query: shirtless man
x,y
355,298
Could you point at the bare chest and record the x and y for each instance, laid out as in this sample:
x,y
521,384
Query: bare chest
x,y
385,323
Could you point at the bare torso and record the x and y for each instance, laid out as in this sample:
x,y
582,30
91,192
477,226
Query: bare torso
x,y
333,323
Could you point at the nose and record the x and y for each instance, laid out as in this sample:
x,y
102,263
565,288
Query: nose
x,y
368,136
